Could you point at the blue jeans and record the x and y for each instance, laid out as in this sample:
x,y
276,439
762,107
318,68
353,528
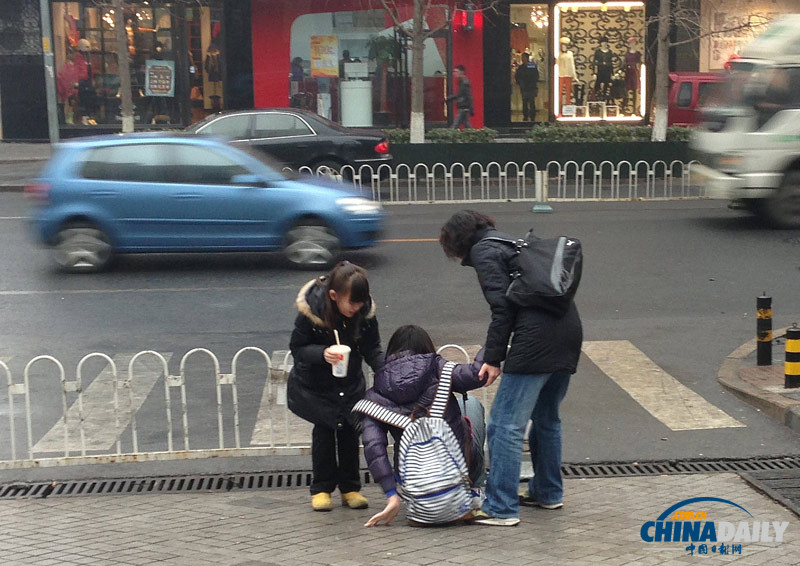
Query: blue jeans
x,y
474,411
520,398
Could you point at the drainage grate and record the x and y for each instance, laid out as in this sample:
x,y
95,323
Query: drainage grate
x,y
281,480
671,467
165,484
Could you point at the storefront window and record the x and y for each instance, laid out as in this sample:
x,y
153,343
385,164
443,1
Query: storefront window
x,y
599,69
352,68
530,57
175,78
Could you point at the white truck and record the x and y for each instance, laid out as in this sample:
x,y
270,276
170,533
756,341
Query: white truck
x,y
748,148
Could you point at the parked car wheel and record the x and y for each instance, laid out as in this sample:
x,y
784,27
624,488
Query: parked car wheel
x,y
82,248
783,209
310,244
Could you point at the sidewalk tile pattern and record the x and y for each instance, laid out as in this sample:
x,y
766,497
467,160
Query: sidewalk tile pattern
x,y
599,524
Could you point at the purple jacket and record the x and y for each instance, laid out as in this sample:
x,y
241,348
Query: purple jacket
x,y
406,383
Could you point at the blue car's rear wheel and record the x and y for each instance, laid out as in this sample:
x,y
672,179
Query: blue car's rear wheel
x,y
82,248
310,244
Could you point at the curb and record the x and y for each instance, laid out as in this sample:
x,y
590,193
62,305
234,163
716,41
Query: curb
x,y
783,410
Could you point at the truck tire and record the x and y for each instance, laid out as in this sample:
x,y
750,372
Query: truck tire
x,y
783,209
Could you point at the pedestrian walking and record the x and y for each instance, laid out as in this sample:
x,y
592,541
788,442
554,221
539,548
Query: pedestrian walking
x,y
463,98
543,355
407,384
334,310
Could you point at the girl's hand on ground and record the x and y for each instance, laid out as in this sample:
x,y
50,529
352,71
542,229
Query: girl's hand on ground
x,y
389,512
331,357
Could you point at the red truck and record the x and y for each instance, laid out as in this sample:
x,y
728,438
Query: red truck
x,y
691,92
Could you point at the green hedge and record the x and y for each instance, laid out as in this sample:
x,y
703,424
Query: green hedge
x,y
483,135
600,133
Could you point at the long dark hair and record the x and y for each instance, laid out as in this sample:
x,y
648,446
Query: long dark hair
x,y
346,278
410,339
460,232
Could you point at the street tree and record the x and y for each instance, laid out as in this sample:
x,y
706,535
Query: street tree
x,y
420,30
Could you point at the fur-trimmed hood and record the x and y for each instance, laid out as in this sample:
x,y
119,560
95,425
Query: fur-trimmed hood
x,y
311,298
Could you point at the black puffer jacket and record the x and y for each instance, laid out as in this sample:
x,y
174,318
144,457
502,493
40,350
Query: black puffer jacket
x,y
313,393
541,343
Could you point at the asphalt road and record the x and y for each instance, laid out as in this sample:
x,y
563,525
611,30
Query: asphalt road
x,y
677,280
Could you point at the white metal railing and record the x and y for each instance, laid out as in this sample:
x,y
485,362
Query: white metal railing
x,y
126,445
568,181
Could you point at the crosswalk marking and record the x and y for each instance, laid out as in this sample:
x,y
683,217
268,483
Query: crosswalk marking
x,y
98,406
661,395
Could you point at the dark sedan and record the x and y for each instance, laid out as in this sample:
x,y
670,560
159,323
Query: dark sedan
x,y
299,138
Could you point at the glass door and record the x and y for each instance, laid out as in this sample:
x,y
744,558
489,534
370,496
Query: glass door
x,y
530,62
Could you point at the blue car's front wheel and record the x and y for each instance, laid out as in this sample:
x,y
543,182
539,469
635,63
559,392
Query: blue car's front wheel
x,y
311,245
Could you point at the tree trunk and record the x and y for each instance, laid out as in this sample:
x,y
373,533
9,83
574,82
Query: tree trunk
x,y
417,74
662,73
384,97
126,101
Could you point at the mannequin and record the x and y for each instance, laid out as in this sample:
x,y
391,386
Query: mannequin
x,y
566,72
633,63
603,68
213,67
86,92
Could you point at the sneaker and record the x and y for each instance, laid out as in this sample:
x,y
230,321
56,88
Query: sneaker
x,y
526,499
321,502
482,518
354,500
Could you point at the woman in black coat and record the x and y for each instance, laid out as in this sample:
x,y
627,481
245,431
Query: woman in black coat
x,y
339,301
543,355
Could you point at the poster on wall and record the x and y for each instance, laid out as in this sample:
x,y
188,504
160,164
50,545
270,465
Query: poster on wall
x,y
743,29
159,78
324,56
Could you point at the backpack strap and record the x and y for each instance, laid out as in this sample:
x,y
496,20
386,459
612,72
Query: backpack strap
x,y
443,390
382,414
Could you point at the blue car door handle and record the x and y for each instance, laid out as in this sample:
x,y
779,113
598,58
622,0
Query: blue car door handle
x,y
188,195
103,193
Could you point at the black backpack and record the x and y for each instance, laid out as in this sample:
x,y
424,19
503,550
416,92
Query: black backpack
x,y
545,273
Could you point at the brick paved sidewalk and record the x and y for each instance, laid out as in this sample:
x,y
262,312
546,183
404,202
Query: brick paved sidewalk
x,y
600,524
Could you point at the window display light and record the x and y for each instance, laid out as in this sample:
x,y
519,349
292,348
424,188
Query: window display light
x,y
577,112
539,18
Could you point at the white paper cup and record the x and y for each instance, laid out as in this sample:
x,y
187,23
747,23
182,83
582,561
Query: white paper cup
x,y
340,367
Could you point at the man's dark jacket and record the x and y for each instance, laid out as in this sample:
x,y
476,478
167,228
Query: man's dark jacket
x,y
463,97
541,342
527,77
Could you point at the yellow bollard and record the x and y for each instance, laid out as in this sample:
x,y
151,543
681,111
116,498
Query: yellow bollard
x,y
792,371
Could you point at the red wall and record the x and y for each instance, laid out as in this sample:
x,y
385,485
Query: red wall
x,y
272,27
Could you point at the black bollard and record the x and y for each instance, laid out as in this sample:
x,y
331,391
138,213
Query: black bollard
x,y
764,330
792,369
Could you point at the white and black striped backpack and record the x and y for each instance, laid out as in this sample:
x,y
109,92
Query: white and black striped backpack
x,y
434,479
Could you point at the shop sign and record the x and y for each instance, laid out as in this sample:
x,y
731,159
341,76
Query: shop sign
x,y
324,56
159,78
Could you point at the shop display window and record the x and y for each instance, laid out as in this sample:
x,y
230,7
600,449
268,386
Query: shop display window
x,y
530,62
87,62
599,70
352,67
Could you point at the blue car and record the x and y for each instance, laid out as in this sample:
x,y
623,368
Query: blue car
x,y
140,193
